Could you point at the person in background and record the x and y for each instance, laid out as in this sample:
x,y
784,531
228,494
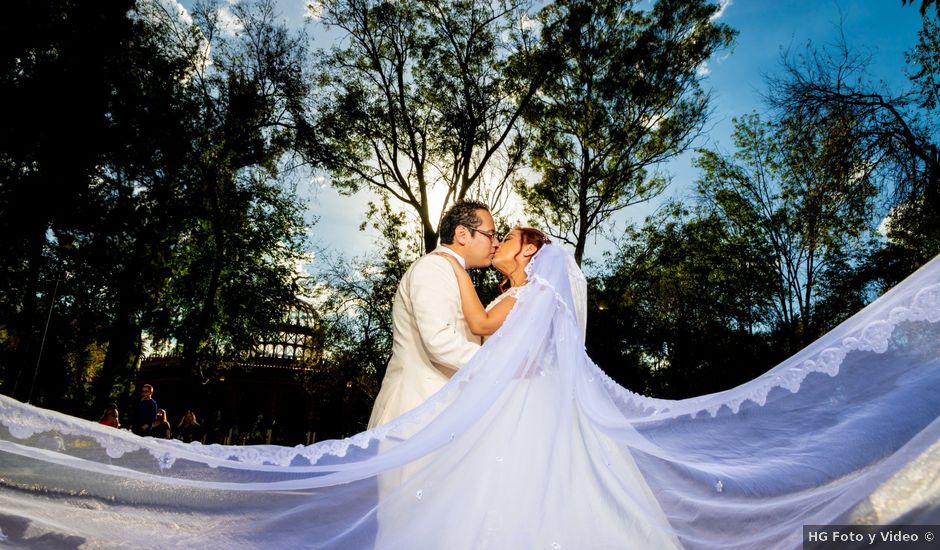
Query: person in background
x,y
110,416
189,429
146,411
161,426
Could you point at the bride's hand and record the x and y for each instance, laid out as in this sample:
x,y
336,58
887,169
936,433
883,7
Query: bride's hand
x,y
453,261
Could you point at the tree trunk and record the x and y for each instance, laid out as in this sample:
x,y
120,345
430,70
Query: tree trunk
x,y
120,361
25,321
430,237
200,330
579,248
932,188
583,222
203,321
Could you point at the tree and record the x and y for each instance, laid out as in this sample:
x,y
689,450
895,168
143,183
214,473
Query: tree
x,y
683,306
805,190
924,5
925,59
898,134
821,84
626,97
162,204
135,222
355,300
422,100
68,161
234,267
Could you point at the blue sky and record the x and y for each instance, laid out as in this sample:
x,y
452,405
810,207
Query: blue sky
x,y
736,78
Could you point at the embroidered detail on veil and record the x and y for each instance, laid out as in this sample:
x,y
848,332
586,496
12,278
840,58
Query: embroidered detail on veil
x,y
538,446
874,336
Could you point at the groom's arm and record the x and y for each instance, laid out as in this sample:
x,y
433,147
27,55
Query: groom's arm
x,y
435,300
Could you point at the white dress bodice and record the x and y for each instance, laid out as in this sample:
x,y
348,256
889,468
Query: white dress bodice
x,y
513,291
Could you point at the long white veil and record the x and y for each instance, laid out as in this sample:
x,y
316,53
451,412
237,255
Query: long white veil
x,y
529,446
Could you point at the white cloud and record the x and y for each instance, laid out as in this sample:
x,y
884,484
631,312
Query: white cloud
x,y
228,21
174,14
883,226
722,7
526,23
314,10
173,7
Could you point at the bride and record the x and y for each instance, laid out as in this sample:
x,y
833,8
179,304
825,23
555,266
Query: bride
x,y
530,445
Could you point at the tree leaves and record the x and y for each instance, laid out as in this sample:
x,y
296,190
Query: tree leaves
x,y
623,99
173,221
422,100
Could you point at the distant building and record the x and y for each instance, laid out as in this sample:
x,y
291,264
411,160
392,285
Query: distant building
x,y
262,399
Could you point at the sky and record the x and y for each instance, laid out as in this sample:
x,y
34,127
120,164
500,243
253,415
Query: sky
x,y
735,77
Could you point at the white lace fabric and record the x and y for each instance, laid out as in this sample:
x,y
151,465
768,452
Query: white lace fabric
x,y
511,292
530,445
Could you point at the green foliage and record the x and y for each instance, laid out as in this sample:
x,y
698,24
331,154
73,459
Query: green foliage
x,y
893,136
801,190
925,57
786,243
683,307
624,98
422,98
238,252
233,275
77,171
913,239
894,130
157,187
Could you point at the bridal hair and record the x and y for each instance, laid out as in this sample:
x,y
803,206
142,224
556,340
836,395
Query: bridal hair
x,y
527,235
463,213
110,415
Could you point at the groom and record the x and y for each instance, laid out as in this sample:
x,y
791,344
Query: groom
x,y
431,339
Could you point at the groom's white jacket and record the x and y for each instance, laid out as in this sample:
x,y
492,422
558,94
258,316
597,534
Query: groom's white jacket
x,y
431,339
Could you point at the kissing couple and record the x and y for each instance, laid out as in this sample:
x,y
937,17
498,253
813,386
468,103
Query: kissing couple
x,y
438,320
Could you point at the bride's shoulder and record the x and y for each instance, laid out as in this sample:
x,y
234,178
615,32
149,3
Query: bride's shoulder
x,y
511,292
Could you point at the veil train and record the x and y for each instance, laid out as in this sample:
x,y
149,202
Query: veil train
x,y
530,445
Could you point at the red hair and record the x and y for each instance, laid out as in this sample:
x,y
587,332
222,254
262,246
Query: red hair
x,y
527,235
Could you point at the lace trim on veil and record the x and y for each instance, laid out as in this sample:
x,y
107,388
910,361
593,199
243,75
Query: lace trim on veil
x,y
873,337
24,421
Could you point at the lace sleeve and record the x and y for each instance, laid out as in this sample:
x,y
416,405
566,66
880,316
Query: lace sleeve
x,y
512,292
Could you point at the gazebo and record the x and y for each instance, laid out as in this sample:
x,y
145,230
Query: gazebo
x,y
261,398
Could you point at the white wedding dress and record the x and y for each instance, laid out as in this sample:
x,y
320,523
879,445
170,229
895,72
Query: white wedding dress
x,y
530,445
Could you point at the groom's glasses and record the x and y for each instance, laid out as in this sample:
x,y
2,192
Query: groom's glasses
x,y
491,234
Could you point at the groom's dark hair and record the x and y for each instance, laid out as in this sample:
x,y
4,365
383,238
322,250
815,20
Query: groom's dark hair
x,y
463,213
